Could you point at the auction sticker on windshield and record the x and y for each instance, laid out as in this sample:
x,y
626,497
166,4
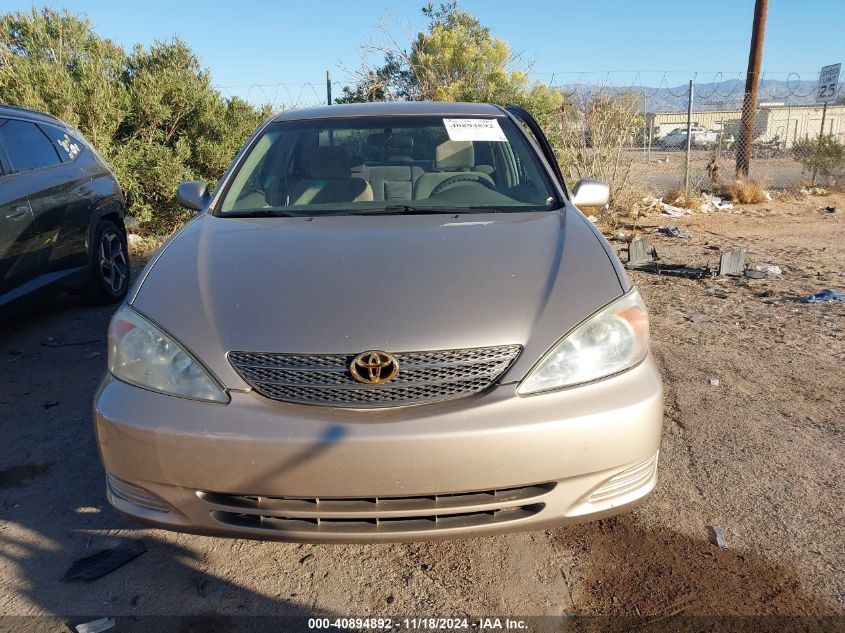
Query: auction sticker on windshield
x,y
474,130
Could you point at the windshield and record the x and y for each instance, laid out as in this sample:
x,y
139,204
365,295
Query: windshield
x,y
388,165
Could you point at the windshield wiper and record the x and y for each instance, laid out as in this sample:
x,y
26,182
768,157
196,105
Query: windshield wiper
x,y
406,209
262,213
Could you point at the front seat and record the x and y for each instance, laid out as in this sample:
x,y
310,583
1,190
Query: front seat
x,y
451,158
330,180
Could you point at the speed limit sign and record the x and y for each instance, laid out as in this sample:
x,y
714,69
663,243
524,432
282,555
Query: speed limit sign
x,y
828,82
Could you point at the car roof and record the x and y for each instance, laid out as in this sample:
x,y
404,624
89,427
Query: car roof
x,y
25,113
393,108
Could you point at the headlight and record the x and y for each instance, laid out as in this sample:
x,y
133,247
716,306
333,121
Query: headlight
x,y
610,341
144,356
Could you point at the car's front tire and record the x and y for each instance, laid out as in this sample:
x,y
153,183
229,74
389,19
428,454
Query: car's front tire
x,y
109,274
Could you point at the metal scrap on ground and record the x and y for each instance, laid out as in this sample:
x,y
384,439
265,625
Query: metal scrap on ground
x,y
717,536
105,562
672,231
643,256
732,262
95,626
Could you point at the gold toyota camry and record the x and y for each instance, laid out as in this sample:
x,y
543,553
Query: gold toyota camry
x,y
388,322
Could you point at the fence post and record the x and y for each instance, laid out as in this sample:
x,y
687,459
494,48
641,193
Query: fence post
x,y
328,88
821,137
689,134
645,120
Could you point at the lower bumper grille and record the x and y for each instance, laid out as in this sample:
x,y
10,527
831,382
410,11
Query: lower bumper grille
x,y
626,481
135,495
377,514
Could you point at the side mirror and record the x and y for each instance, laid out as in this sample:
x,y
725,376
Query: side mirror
x,y
193,195
590,193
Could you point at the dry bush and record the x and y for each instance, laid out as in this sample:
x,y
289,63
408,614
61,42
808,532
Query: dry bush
x,y
592,133
745,190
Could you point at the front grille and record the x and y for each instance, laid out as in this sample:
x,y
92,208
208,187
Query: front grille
x,y
363,515
423,377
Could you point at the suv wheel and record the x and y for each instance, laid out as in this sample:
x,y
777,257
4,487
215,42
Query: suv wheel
x,y
109,279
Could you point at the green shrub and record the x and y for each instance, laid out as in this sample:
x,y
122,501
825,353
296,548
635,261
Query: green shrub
x,y
825,155
151,113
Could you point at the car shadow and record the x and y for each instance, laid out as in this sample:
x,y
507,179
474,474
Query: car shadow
x,y
654,578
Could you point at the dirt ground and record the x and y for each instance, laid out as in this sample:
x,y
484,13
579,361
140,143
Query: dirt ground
x,y
760,455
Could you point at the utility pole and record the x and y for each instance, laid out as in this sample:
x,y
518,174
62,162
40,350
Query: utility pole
x,y
752,80
328,88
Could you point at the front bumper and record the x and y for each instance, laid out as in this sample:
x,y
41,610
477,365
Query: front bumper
x,y
496,462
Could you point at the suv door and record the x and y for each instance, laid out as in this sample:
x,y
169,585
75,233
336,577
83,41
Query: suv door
x,y
18,233
35,164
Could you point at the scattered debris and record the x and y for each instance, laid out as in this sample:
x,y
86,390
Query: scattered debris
x,y
390,599
732,262
700,318
672,231
718,291
641,251
717,536
592,218
620,237
829,209
643,256
768,196
95,626
754,274
306,559
769,269
673,212
105,561
650,203
50,405
714,382
824,296
715,203
814,191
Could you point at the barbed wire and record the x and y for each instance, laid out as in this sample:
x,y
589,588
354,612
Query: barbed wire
x,y
712,87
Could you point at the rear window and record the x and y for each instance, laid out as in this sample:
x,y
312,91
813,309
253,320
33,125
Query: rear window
x,y
26,145
372,164
67,146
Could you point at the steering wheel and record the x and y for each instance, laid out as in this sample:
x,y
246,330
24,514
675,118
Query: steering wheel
x,y
481,180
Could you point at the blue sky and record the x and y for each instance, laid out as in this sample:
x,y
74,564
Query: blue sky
x,y
250,42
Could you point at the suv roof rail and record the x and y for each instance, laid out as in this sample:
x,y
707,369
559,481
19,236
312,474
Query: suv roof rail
x,y
29,111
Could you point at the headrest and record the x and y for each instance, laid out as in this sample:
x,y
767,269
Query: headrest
x,y
454,155
330,163
395,141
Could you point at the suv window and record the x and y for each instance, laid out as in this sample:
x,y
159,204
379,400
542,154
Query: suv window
x,y
67,146
26,145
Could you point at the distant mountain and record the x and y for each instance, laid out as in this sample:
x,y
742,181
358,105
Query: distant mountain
x,y
723,95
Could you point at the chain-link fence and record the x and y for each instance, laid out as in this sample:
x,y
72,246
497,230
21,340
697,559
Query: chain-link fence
x,y
690,137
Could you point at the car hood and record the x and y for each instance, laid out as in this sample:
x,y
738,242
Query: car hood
x,y
346,284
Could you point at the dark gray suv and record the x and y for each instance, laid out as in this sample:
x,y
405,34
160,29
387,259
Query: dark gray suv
x,y
61,214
